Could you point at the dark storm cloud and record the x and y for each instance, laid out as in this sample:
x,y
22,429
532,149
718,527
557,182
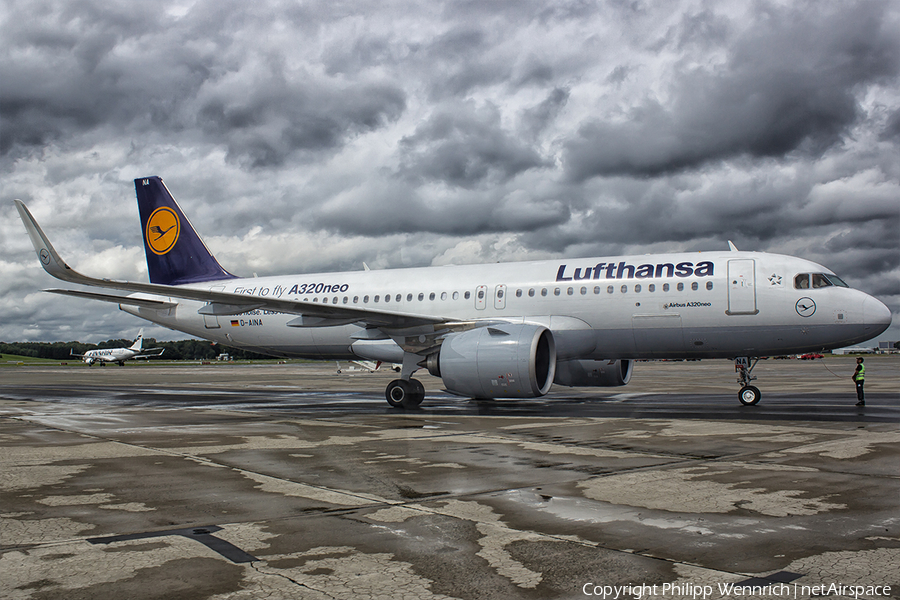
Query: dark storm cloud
x,y
535,120
465,146
705,29
464,59
311,136
66,80
397,207
135,70
265,126
892,128
789,84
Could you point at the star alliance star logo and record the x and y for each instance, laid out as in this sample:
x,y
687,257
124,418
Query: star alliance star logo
x,y
775,279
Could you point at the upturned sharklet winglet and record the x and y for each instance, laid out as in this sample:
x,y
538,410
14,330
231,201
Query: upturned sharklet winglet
x,y
175,253
50,260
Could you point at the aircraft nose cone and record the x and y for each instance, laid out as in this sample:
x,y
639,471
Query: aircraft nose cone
x,y
876,315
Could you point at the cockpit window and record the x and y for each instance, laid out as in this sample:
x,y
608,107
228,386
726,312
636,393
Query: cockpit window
x,y
835,280
819,281
801,281
805,281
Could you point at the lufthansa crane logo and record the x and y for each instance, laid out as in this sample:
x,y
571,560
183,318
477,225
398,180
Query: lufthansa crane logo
x,y
162,232
805,307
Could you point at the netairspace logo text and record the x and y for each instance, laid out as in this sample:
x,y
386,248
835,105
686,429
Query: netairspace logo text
x,y
783,590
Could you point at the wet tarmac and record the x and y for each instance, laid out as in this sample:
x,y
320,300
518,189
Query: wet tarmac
x,y
291,481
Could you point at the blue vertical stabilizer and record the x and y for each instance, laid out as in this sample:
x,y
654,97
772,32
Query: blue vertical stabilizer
x,y
175,253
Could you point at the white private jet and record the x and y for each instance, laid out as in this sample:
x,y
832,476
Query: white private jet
x,y
119,355
494,330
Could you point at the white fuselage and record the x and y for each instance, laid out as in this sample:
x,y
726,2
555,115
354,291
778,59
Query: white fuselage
x,y
686,305
109,355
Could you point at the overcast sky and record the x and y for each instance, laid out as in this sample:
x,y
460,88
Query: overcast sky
x,y
313,136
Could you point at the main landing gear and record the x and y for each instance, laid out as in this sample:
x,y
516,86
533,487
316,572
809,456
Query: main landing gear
x,y
749,394
406,392
401,393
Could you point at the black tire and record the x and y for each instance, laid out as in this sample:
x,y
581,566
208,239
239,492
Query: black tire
x,y
417,394
749,395
397,392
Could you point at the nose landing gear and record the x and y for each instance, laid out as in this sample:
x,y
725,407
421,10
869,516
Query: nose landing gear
x,y
749,394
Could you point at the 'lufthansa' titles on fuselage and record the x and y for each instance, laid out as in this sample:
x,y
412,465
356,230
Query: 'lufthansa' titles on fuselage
x,y
623,270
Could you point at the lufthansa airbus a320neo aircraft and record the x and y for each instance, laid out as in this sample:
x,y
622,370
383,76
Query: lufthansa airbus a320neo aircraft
x,y
494,330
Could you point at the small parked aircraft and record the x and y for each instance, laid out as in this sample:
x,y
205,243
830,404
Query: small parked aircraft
x,y
119,355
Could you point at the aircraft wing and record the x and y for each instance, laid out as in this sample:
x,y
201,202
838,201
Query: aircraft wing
x,y
129,300
150,353
220,303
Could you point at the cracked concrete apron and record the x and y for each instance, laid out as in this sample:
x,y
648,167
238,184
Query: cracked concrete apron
x,y
129,502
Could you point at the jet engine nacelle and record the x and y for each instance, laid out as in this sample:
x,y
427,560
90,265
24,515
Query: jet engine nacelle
x,y
499,361
593,373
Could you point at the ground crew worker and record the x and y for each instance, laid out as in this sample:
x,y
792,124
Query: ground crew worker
x,y
859,376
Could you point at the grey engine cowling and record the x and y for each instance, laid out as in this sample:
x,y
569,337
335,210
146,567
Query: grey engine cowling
x,y
499,361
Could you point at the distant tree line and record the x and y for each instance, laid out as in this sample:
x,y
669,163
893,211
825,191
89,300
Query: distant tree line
x,y
180,350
